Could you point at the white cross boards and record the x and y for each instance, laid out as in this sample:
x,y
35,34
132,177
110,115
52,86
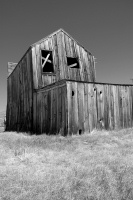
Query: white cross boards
x,y
46,60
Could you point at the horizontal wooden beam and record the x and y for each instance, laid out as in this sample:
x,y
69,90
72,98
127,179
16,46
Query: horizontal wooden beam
x,y
73,65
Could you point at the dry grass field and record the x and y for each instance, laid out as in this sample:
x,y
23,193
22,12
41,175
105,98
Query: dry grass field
x,y
95,166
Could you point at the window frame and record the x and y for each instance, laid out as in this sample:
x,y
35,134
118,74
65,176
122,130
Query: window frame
x,y
77,60
51,52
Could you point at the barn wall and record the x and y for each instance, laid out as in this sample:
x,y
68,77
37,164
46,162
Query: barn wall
x,y
62,47
72,107
19,96
50,109
48,79
101,106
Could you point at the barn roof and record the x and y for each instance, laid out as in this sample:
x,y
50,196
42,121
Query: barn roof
x,y
55,32
34,44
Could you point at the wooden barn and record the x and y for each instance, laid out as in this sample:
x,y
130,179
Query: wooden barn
x,y
53,90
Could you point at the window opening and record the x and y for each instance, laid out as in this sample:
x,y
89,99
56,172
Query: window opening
x,y
72,93
47,61
72,62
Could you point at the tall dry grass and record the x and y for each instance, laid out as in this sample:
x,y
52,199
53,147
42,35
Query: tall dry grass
x,y
96,166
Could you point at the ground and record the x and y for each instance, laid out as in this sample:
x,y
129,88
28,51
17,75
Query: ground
x,y
92,166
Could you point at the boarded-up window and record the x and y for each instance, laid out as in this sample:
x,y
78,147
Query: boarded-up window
x,y
72,62
47,61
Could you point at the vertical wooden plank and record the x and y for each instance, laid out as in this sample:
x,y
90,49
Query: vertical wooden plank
x,y
81,112
45,44
87,64
74,107
124,108
86,99
50,44
55,112
38,64
112,107
64,57
131,88
109,101
23,88
66,110
34,112
60,54
69,108
89,60
84,70
25,95
35,78
51,112
48,110
129,108
131,104
68,53
38,113
42,45
80,63
57,106
100,103
76,56
93,75
95,105
116,110
29,66
60,109
37,107
56,57
106,108
72,54
90,110
120,106
44,112
115,107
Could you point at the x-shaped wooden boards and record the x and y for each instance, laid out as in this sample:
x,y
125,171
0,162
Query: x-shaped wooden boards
x,y
46,60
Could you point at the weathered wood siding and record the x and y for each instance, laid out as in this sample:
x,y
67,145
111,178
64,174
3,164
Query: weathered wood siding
x,y
62,46
72,107
48,79
101,106
19,96
50,109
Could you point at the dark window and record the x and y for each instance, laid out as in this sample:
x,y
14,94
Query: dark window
x,y
47,61
72,62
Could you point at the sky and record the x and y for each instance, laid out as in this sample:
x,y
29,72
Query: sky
x,y
104,27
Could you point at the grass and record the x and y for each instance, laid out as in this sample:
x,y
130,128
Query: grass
x,y
95,166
